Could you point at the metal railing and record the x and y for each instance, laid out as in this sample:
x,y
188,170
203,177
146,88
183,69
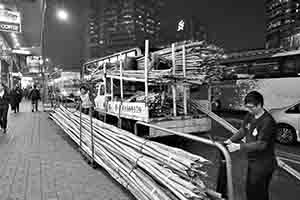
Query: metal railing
x,y
218,145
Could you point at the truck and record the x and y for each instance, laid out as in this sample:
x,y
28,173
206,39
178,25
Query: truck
x,y
150,88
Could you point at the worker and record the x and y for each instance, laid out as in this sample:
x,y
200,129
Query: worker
x,y
259,128
86,100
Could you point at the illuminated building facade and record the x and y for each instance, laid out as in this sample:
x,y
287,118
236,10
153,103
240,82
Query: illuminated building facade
x,y
122,24
283,24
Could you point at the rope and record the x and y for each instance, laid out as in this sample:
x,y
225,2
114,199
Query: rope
x,y
142,146
135,165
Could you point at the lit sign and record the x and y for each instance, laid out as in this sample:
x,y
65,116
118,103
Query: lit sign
x,y
20,51
180,26
10,21
33,61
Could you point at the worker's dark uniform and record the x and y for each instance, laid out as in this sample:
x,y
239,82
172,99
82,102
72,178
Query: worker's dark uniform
x,y
260,139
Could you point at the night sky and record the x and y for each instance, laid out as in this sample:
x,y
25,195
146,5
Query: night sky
x,y
232,24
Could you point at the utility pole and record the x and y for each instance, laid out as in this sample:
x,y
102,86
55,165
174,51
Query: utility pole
x,y
43,63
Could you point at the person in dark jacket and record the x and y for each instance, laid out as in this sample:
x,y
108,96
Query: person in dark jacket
x,y
4,105
19,97
35,97
15,98
259,129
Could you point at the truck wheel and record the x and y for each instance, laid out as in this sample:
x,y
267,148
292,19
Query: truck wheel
x,y
285,134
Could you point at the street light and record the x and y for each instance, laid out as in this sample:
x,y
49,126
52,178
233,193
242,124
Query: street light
x,y
61,15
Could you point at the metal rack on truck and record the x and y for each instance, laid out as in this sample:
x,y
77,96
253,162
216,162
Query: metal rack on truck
x,y
157,89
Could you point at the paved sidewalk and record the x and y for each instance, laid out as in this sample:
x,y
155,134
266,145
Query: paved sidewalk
x,y
38,161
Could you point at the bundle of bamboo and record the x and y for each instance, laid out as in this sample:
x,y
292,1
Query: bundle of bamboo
x,y
201,61
149,170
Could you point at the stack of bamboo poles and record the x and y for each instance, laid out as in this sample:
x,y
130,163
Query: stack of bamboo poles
x,y
197,107
149,170
201,60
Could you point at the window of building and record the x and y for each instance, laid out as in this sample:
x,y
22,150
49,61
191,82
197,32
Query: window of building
x,y
283,1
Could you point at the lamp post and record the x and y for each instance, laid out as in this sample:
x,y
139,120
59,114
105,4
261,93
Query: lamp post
x,y
62,15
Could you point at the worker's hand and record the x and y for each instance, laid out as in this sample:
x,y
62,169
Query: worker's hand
x,y
227,142
233,147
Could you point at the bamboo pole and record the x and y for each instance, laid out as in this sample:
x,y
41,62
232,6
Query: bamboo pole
x,y
173,86
105,88
184,87
112,88
121,78
104,79
92,133
288,168
146,69
80,124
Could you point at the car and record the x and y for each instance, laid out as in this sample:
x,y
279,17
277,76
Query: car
x,y
288,123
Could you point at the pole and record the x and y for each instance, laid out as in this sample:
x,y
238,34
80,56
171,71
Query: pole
x,y
11,84
92,134
173,86
146,69
80,126
184,86
44,9
111,88
121,78
0,70
105,90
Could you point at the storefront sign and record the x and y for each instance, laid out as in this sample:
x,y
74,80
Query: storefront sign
x,y
137,111
10,21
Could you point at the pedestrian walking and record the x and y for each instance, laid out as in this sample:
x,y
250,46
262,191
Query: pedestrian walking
x,y
259,129
4,105
35,97
15,99
19,97
26,93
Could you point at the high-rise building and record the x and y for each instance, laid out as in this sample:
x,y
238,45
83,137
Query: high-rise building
x,y
116,25
95,12
283,23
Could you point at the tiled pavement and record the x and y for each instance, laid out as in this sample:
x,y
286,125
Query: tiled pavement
x,y
38,161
